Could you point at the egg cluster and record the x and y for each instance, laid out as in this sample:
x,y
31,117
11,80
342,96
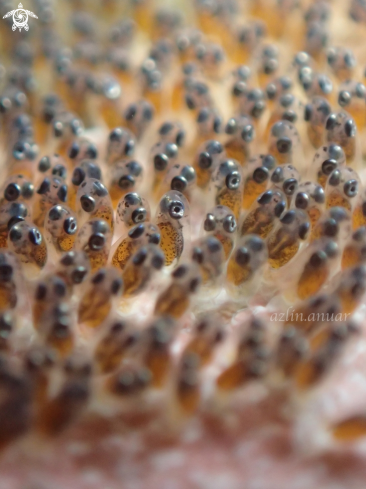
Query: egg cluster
x,y
165,171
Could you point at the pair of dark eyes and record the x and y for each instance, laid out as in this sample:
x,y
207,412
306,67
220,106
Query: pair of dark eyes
x,y
228,224
129,145
70,223
350,127
98,237
213,246
17,212
79,273
289,217
181,272
244,253
216,123
322,107
59,128
267,197
34,236
157,261
91,152
161,160
302,199
90,169
128,180
289,185
345,97
59,289
247,132
262,173
202,51
116,284
271,89
319,258
333,56
245,34
45,187
350,188
14,190
25,150
132,111
137,231
89,203
167,128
